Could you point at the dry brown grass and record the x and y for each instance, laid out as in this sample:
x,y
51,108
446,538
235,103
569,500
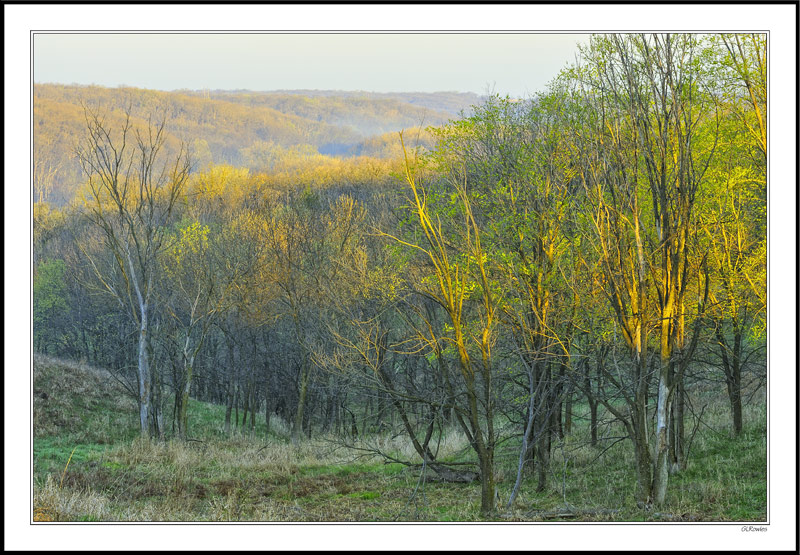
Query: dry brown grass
x,y
53,502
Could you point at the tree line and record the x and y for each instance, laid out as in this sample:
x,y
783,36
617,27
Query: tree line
x,y
602,243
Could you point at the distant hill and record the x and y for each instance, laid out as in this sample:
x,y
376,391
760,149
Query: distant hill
x,y
365,113
452,103
233,126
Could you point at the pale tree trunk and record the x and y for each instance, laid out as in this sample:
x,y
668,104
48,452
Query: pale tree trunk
x,y
663,411
143,371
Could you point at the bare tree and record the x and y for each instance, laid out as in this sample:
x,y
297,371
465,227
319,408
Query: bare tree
x,y
133,186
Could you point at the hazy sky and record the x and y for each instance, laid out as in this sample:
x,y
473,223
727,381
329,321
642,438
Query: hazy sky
x,y
515,64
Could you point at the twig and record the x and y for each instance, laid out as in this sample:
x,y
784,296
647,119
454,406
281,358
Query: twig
x,y
691,437
61,483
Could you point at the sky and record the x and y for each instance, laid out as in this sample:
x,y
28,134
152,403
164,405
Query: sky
x,y
517,64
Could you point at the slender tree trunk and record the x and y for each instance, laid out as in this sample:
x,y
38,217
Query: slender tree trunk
x,y
568,413
527,432
237,400
253,407
183,418
663,410
736,382
268,402
486,462
144,375
591,400
156,406
640,428
545,431
246,403
677,443
301,402
731,365
680,413
230,392
309,419
644,462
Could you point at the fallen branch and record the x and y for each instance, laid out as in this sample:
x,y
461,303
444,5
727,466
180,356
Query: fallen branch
x,y
443,470
565,512
670,516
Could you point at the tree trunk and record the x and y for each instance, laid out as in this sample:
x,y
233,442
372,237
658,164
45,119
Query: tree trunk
x,y
545,430
568,413
526,433
246,408
663,410
731,366
230,390
143,370
644,462
237,400
486,463
253,408
592,401
183,416
297,428
736,381
678,444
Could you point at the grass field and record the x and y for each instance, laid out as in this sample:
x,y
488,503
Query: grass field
x,y
89,466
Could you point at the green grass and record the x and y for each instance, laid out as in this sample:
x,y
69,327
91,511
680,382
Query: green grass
x,y
114,476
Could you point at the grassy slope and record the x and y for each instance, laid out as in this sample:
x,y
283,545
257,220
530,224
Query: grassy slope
x,y
113,476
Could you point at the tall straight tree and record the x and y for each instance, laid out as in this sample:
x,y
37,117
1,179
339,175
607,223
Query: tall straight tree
x,y
133,186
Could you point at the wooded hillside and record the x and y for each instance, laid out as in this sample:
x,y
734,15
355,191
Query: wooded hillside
x,y
239,128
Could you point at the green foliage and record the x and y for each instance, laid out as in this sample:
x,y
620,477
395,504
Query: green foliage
x,y
50,303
